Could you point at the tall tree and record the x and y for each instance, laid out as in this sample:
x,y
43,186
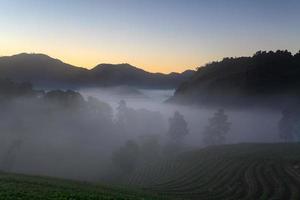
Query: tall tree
x,y
215,132
126,158
178,128
122,110
289,124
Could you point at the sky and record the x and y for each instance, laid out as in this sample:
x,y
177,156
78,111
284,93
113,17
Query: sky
x,y
156,35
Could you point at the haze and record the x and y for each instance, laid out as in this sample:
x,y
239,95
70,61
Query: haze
x,y
149,99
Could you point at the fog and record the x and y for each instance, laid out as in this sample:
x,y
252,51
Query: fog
x,y
62,135
248,124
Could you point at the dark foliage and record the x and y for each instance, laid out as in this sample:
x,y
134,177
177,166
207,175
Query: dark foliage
x,y
266,78
126,157
289,124
10,89
178,128
215,132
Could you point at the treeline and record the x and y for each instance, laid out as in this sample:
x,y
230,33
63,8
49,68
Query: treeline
x,y
268,79
51,132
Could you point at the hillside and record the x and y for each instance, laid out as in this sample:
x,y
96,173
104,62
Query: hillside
x,y
46,72
264,78
242,171
17,186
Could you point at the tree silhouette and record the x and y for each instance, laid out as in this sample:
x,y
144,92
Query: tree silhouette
x,y
177,128
215,132
150,149
126,158
289,124
121,115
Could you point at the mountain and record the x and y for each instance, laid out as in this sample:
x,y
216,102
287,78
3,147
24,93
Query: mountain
x,y
41,70
125,74
265,78
46,72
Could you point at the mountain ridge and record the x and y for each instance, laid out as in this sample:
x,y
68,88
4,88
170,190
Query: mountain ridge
x,y
45,71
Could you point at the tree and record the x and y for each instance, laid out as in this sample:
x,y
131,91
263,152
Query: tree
x,y
178,128
150,148
138,121
10,90
126,158
297,55
19,131
289,124
215,132
66,99
10,156
99,109
121,117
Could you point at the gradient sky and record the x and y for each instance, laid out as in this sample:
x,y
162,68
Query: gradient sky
x,y
156,35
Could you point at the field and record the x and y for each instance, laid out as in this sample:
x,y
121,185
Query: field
x,y
243,171
21,187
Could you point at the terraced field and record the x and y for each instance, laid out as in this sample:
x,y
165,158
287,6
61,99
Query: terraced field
x,y
244,171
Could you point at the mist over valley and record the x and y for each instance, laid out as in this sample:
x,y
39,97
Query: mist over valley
x,y
149,100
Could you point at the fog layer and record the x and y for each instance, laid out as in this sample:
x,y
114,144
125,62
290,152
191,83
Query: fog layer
x,y
64,134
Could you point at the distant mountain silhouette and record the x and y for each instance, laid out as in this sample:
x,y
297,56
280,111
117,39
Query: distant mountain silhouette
x,y
266,77
41,70
125,74
44,71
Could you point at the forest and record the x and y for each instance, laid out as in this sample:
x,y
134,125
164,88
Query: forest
x,y
266,79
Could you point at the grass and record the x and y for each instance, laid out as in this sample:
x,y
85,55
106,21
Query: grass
x,y
17,186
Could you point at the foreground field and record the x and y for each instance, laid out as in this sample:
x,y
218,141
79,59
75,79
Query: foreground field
x,y
243,171
20,187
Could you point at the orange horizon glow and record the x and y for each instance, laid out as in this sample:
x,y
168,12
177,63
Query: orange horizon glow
x,y
90,59
157,36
